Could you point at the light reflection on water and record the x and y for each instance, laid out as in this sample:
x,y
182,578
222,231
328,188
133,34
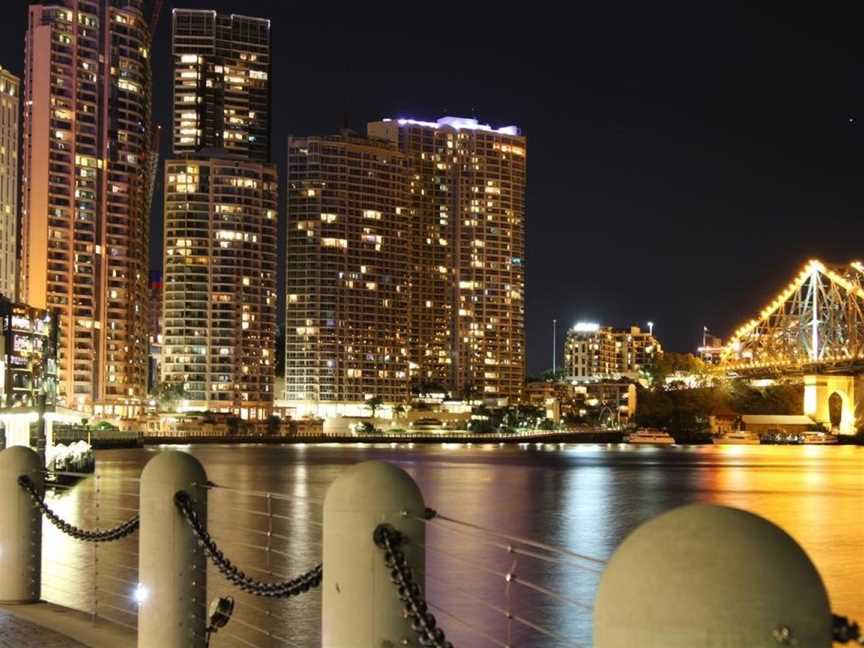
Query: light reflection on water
x,y
584,498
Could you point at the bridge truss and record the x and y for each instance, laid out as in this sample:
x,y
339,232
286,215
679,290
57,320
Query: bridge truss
x,y
815,323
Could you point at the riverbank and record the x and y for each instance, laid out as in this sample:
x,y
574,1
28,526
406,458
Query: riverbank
x,y
419,438
602,437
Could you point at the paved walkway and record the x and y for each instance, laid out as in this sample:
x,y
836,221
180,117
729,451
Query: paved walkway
x,y
17,633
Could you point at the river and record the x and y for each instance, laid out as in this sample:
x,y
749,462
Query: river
x,y
582,497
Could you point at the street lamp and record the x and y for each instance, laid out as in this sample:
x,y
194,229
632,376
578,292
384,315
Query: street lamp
x,y
650,328
554,347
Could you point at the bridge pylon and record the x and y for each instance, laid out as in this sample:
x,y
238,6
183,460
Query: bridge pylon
x,y
835,400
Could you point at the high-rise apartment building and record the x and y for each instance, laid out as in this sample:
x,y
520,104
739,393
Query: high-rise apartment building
x,y
10,102
155,328
219,326
467,253
221,83
86,186
594,352
347,272
221,201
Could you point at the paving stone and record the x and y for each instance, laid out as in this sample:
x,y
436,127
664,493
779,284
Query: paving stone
x,y
17,633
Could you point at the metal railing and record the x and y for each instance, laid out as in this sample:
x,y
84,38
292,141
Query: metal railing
x,y
453,582
272,537
99,578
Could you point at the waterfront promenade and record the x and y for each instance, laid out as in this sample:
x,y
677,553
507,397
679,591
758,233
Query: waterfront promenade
x,y
46,625
18,633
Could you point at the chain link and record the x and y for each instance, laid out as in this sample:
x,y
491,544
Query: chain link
x,y
423,622
845,630
294,587
99,535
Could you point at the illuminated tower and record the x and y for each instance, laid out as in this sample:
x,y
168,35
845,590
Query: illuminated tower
x,y
86,186
221,83
347,272
10,101
221,201
219,326
467,253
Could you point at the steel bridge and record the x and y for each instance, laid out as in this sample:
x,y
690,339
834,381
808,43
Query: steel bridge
x,y
813,329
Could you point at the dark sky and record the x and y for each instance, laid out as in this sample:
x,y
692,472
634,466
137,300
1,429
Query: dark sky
x,y
683,161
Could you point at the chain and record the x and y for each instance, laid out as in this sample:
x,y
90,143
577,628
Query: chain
x,y
294,587
423,622
845,630
99,535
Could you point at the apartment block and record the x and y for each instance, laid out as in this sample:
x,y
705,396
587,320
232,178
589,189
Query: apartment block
x,y
10,106
221,83
348,271
594,352
219,289
221,195
86,184
467,330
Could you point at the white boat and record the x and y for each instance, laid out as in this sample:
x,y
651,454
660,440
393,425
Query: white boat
x,y
649,436
738,437
818,438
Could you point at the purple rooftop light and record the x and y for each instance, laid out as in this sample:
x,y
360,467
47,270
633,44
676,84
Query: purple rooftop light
x,y
458,123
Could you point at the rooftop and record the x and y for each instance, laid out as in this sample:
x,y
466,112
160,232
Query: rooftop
x,y
459,123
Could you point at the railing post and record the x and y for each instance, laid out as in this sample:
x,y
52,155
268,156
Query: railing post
x,y
361,608
171,569
710,576
20,527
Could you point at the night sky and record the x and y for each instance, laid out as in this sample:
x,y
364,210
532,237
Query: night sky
x,y
682,162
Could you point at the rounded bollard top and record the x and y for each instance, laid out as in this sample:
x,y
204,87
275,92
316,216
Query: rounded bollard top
x,y
374,486
173,466
20,458
711,576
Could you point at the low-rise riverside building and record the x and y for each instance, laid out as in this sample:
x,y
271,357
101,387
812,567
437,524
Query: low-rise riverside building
x,y
28,355
594,352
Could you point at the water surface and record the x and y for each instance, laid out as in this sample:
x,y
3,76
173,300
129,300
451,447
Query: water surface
x,y
584,498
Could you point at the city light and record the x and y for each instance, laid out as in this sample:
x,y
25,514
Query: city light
x,y
586,327
140,594
459,123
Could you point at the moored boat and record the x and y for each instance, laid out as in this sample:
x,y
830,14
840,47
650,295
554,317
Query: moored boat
x,y
818,438
737,437
649,436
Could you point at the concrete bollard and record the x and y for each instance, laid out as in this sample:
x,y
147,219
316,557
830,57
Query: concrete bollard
x,y
172,571
360,605
20,527
710,576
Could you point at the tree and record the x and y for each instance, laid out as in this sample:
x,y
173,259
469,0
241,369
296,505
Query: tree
x,y
399,410
233,423
374,404
470,392
168,395
274,424
666,364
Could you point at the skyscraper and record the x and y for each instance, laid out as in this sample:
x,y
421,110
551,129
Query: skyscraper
x,y
221,219
347,272
467,253
220,283
221,83
10,102
87,183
